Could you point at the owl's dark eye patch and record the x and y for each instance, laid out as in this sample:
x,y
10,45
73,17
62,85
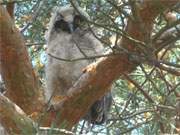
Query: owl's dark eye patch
x,y
78,20
61,25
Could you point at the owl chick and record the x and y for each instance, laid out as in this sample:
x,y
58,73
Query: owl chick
x,y
69,38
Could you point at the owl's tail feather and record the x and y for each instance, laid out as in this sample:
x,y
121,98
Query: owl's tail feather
x,y
99,110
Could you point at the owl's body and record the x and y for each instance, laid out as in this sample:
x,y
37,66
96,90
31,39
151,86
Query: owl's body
x,y
69,44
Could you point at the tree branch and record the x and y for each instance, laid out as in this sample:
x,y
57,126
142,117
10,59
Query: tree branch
x,y
10,8
16,68
13,118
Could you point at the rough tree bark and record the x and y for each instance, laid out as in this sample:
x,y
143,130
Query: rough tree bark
x,y
16,67
94,83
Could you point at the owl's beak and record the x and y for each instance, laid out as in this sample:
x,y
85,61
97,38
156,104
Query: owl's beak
x,y
71,27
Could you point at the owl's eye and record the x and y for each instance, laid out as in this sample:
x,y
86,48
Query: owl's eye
x,y
61,25
78,21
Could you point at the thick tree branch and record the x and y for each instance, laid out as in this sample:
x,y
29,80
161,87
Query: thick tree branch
x,y
16,68
92,85
18,122
10,8
14,118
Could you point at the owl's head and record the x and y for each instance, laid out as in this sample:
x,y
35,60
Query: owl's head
x,y
67,19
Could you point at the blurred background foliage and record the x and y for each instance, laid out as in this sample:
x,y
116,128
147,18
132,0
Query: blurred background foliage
x,y
131,113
